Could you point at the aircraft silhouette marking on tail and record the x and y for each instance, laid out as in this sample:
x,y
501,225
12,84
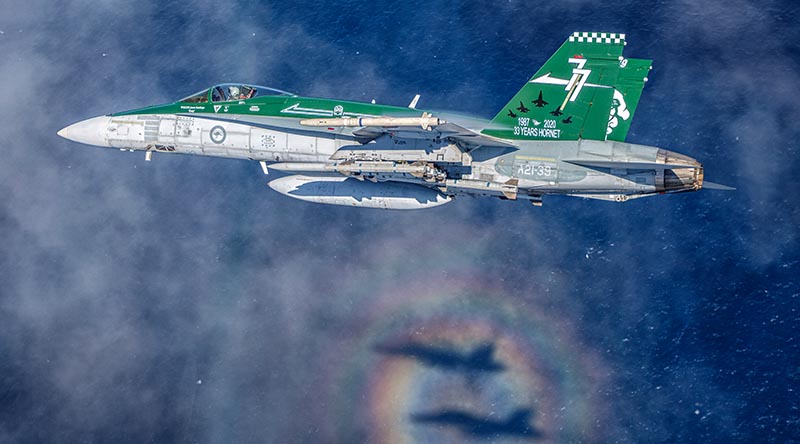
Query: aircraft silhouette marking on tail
x,y
556,112
511,114
568,120
517,424
521,108
540,103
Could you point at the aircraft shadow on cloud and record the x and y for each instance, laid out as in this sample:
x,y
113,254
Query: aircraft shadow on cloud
x,y
517,424
479,360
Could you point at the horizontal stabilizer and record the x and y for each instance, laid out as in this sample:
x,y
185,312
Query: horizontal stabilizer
x,y
717,186
632,165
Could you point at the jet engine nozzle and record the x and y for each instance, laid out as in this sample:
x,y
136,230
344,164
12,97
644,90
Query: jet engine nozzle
x,y
686,173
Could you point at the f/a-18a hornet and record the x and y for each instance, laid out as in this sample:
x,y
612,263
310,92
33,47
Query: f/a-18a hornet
x,y
562,133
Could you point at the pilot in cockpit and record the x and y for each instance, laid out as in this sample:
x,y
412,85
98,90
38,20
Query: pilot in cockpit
x,y
233,93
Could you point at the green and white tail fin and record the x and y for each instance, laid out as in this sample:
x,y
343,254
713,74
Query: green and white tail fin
x,y
627,91
586,90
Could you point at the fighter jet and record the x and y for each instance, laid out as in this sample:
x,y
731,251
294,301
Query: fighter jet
x,y
379,156
517,424
539,102
479,360
521,108
568,119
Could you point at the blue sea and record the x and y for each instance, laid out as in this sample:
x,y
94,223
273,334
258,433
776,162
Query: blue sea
x,y
182,300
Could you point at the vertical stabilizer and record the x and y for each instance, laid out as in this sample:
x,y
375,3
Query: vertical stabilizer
x,y
571,96
627,91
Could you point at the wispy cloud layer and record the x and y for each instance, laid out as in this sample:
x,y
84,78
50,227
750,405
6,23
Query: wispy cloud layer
x,y
182,300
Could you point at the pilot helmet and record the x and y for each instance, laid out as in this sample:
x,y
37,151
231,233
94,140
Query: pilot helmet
x,y
234,90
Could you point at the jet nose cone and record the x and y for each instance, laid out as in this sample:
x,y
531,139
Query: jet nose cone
x,y
92,131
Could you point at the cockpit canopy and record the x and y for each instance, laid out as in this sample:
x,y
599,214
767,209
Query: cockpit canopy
x,y
232,92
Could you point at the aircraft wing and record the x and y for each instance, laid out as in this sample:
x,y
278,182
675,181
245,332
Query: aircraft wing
x,y
472,138
467,139
425,126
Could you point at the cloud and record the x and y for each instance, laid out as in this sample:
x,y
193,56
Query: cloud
x,y
182,300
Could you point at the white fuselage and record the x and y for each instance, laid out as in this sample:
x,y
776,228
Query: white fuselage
x,y
535,168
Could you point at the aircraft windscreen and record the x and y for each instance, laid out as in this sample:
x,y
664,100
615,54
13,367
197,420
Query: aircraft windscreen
x,y
198,97
234,91
229,92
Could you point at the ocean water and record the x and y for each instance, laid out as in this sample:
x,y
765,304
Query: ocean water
x,y
181,300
